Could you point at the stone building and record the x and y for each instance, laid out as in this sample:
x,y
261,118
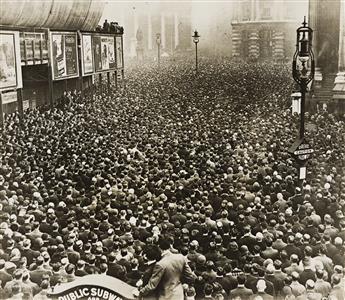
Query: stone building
x,y
266,29
327,19
147,19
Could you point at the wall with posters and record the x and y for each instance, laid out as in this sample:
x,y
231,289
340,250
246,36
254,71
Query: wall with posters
x,y
10,65
100,53
64,55
24,58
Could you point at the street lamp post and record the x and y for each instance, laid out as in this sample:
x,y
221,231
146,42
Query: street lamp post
x,y
300,73
158,41
196,37
303,69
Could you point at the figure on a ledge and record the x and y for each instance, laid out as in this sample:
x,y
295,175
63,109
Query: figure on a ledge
x,y
106,26
115,28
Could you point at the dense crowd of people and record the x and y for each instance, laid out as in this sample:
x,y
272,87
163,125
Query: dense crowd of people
x,y
176,162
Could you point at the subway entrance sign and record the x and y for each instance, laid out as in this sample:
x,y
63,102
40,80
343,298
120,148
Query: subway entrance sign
x,y
301,150
93,287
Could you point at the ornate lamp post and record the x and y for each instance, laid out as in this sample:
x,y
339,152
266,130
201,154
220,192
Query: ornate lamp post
x,y
302,59
196,37
303,69
158,42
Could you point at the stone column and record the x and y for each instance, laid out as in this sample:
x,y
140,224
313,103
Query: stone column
x,y
236,42
257,10
278,9
254,47
278,46
252,10
149,31
163,30
133,39
339,83
176,40
136,23
313,21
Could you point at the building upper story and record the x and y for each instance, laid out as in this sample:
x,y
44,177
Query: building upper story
x,y
269,10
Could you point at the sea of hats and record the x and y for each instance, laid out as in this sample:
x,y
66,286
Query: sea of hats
x,y
89,186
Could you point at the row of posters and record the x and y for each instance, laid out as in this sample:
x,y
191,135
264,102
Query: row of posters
x,y
101,53
10,66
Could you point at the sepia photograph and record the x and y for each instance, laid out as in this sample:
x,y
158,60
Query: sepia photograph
x,y
172,150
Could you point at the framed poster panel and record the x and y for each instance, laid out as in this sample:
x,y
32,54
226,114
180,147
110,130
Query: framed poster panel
x,y
97,53
10,64
88,66
64,55
9,97
33,48
111,52
119,52
104,53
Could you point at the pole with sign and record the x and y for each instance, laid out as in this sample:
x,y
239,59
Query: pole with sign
x,y
301,151
303,57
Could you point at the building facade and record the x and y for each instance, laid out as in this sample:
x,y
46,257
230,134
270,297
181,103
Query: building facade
x,y
327,18
144,20
266,29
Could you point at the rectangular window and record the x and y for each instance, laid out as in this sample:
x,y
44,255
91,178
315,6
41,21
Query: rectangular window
x,y
266,13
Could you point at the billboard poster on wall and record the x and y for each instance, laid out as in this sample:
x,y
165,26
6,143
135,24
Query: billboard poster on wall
x,y
9,97
111,53
33,48
104,53
87,57
119,52
10,64
64,55
97,52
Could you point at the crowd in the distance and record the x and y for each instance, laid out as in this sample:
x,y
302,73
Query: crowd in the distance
x,y
200,159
